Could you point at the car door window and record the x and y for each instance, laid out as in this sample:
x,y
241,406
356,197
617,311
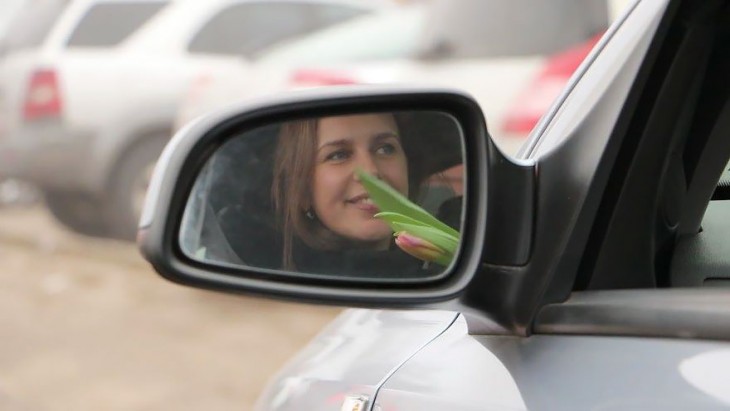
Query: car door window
x,y
702,259
243,29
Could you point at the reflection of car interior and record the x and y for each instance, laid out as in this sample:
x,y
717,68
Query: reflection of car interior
x,y
240,202
237,190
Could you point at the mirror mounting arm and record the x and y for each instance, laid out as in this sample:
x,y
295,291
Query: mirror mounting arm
x,y
511,186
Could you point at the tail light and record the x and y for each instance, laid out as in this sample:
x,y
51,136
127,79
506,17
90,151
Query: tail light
x,y
533,102
43,98
317,78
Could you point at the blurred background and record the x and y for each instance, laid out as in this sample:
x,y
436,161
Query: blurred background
x,y
91,91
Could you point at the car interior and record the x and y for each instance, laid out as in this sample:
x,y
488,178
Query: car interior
x,y
674,154
657,259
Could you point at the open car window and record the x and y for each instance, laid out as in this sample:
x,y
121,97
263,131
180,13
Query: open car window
x,y
703,260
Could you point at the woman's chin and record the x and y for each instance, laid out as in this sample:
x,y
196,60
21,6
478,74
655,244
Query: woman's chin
x,y
376,230
376,240
371,232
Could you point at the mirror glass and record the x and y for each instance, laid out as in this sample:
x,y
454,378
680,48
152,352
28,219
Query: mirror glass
x,y
376,196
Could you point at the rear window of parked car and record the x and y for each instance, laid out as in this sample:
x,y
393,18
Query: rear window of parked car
x,y
108,24
244,29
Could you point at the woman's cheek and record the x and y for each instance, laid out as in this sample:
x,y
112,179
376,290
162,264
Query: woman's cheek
x,y
328,182
397,175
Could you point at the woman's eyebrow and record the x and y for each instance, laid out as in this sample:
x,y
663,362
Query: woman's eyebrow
x,y
383,135
336,143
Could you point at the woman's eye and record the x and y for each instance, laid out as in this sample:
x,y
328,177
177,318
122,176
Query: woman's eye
x,y
386,149
337,155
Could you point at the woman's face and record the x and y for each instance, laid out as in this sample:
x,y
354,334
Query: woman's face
x,y
371,143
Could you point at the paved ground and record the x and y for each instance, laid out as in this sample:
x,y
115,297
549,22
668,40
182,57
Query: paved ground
x,y
86,325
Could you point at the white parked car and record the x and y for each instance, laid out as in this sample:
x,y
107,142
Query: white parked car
x,y
430,43
8,9
89,91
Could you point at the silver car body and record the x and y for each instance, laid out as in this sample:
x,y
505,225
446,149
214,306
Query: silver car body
x,y
432,362
441,360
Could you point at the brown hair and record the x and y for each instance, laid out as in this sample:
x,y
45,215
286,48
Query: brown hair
x,y
294,161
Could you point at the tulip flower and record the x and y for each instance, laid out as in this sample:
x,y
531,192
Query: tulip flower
x,y
422,249
417,232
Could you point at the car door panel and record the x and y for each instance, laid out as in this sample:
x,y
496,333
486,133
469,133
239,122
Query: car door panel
x,y
351,358
465,372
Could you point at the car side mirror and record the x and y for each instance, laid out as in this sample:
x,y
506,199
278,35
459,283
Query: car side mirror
x,y
357,195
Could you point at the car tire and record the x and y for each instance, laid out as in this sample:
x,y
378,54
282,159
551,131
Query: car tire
x,y
128,186
80,212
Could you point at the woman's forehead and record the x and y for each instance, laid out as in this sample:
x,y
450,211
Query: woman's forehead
x,y
355,126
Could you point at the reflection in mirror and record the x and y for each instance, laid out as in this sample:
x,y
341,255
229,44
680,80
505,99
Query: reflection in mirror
x,y
374,196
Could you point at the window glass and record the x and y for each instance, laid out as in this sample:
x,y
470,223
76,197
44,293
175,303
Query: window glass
x,y
108,24
244,29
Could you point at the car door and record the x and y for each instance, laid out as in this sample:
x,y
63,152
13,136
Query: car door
x,y
616,359
348,360
464,372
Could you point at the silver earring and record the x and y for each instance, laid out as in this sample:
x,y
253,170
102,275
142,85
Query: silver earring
x,y
310,214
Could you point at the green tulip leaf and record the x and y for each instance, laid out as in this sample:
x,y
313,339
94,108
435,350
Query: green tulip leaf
x,y
391,217
389,200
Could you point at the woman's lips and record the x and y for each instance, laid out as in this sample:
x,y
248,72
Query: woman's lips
x,y
363,202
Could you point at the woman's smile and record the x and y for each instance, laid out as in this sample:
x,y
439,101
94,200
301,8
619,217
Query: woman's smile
x,y
363,202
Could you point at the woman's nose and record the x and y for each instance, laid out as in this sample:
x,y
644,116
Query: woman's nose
x,y
366,163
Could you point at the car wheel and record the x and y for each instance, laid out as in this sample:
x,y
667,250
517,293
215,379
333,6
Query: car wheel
x,y
128,186
79,212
